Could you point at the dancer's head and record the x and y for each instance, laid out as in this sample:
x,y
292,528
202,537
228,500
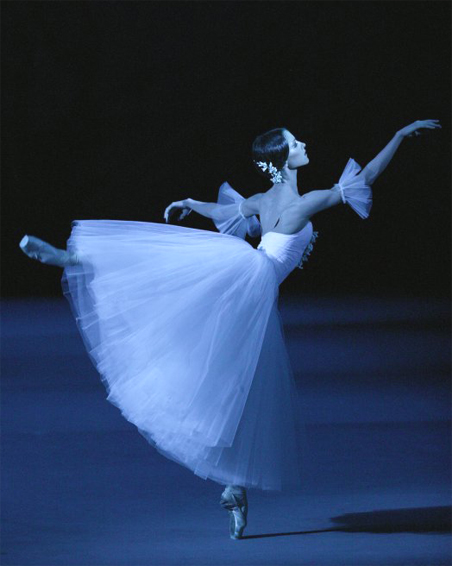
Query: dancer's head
x,y
280,148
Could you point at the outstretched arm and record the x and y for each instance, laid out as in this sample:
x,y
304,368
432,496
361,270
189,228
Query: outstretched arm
x,y
249,207
232,214
187,205
376,167
315,201
204,208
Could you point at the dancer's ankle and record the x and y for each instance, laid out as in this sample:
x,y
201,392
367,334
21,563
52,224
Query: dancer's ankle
x,y
237,488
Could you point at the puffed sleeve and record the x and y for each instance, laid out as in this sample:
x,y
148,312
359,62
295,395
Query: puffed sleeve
x,y
228,218
354,191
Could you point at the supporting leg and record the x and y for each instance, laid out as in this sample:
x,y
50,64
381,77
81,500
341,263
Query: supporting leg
x,y
234,500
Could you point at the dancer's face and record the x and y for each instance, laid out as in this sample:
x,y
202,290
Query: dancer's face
x,y
297,151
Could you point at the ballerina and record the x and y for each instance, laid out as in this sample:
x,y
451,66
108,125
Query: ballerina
x,y
183,325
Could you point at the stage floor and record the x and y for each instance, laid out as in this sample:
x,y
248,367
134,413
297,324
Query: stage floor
x,y
80,486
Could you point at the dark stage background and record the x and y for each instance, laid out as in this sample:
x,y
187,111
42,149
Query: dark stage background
x,y
115,109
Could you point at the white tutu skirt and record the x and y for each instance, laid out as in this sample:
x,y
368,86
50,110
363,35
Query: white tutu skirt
x,y
183,327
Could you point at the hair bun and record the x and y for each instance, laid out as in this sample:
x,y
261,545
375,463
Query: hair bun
x,y
270,152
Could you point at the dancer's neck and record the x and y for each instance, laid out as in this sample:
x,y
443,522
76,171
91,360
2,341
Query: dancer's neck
x,y
289,182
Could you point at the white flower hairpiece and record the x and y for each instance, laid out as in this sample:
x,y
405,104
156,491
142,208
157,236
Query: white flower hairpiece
x,y
276,176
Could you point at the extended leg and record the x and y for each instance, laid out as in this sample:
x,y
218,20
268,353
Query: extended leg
x,y
45,253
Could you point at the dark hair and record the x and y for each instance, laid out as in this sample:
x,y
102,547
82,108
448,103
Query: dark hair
x,y
270,147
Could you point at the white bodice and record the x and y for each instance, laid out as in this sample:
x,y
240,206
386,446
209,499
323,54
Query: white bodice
x,y
288,251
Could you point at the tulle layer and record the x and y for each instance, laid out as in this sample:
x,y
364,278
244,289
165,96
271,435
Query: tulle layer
x,y
183,327
354,190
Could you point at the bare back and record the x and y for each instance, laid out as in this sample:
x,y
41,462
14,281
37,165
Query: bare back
x,y
281,213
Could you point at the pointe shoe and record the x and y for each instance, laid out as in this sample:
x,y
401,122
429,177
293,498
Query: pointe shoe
x,y
236,503
45,253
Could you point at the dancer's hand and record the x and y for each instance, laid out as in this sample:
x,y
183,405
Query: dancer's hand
x,y
183,204
412,129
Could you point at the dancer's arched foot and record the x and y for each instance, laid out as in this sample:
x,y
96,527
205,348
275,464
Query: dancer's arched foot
x,y
234,499
45,253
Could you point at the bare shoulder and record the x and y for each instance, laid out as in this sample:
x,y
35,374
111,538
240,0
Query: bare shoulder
x,y
251,205
293,218
282,213
315,201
